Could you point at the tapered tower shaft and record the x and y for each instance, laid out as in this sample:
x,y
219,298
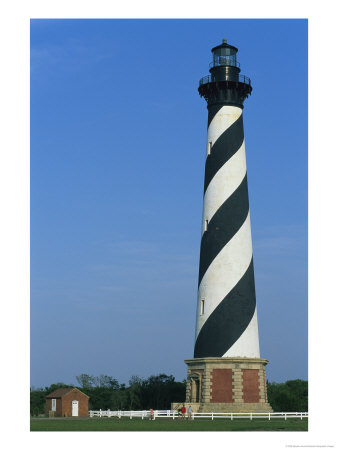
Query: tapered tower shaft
x,y
226,322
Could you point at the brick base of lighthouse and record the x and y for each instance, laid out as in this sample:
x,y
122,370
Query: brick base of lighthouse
x,y
227,385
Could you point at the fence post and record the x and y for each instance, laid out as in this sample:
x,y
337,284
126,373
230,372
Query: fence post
x,y
250,416
173,415
285,415
212,416
192,415
269,416
231,416
301,416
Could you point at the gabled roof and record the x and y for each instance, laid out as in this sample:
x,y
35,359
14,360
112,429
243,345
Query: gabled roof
x,y
63,391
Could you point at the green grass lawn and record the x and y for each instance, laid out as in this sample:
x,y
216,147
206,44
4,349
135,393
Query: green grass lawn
x,y
137,424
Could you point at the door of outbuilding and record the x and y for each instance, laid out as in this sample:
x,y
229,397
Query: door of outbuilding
x,y
75,408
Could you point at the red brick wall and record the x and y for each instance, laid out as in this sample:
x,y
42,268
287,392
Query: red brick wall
x,y
250,386
58,411
67,403
221,386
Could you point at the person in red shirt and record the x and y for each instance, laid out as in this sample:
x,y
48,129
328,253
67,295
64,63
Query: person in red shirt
x,y
183,411
151,414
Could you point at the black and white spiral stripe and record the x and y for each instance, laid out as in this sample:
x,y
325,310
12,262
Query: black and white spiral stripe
x,y
226,322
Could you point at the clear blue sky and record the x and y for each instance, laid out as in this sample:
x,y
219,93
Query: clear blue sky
x,y
118,135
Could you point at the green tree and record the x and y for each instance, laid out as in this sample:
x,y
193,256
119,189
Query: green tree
x,y
120,400
106,381
85,381
134,392
53,387
99,389
291,396
159,391
37,401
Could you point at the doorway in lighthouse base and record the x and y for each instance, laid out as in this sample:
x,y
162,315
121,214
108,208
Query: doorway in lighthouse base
x,y
195,387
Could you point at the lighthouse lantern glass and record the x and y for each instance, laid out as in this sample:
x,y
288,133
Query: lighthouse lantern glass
x,y
225,57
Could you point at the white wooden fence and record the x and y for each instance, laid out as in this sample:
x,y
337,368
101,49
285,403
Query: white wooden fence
x,y
158,414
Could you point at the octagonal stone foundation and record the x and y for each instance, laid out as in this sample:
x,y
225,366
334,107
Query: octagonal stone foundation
x,y
227,385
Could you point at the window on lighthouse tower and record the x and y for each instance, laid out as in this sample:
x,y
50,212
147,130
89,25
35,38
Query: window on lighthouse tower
x,y
202,306
209,148
206,223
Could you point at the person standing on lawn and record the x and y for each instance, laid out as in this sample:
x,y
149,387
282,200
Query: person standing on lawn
x,y
189,412
183,411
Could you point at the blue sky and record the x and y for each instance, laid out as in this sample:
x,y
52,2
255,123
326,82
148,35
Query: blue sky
x,y
118,135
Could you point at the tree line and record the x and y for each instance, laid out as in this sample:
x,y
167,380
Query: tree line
x,y
289,396
158,392
105,392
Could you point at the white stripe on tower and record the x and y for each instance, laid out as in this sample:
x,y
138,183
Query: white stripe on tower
x,y
230,175
224,183
224,272
228,270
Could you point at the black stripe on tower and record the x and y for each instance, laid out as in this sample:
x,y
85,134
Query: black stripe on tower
x,y
229,319
212,111
233,314
224,224
223,149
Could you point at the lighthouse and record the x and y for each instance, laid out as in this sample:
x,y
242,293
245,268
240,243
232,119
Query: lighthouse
x,y
227,372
